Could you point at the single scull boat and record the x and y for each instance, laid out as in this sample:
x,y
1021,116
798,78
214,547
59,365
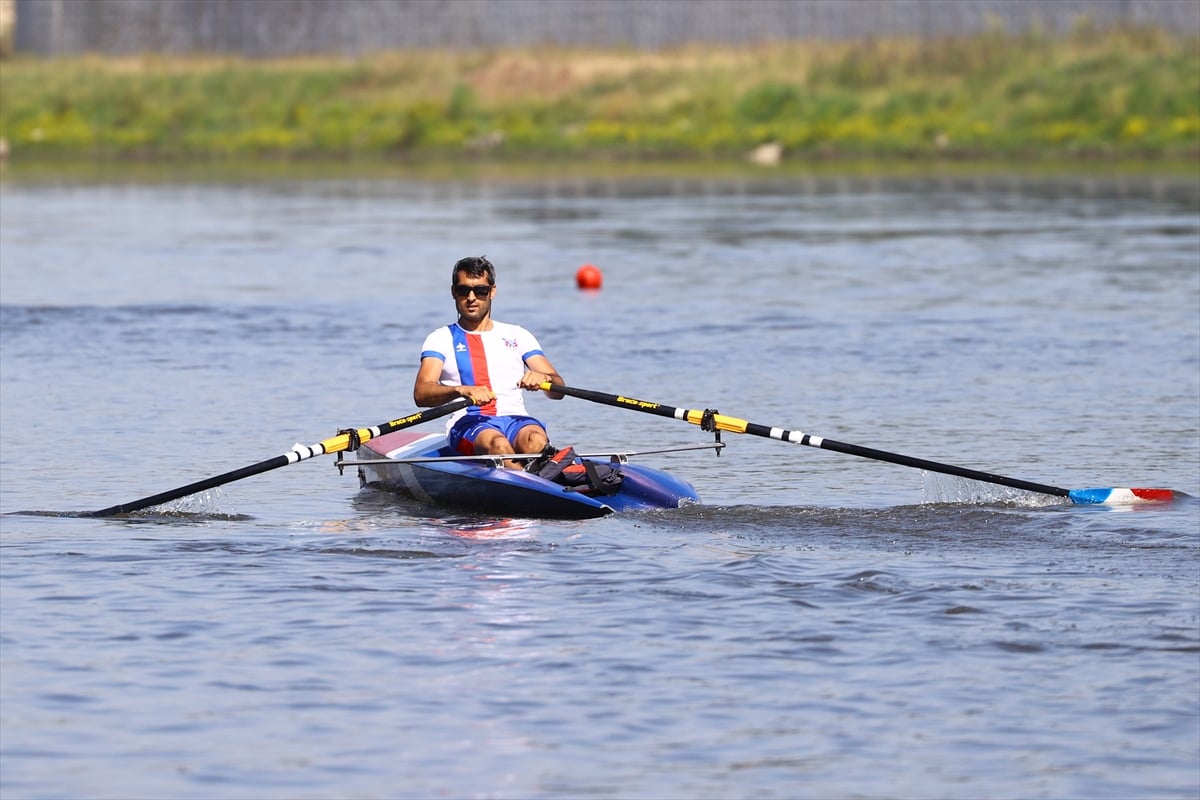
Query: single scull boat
x,y
423,467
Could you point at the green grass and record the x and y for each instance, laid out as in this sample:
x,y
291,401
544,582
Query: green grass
x,y
1123,94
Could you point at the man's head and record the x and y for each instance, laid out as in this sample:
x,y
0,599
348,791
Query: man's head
x,y
474,267
472,285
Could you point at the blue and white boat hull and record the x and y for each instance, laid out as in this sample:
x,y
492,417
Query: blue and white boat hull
x,y
484,488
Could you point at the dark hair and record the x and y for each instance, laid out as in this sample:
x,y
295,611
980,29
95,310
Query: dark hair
x,y
476,267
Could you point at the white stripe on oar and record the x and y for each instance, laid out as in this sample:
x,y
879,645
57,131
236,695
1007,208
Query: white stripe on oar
x,y
795,437
710,420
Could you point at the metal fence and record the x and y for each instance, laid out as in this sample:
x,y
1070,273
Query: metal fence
x,y
260,28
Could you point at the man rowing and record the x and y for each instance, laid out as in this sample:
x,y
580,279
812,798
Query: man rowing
x,y
488,362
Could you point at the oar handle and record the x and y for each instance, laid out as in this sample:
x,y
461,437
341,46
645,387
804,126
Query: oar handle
x,y
334,444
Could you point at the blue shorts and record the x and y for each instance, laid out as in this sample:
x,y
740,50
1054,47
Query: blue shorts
x,y
463,433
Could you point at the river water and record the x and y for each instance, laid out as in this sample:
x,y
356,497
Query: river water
x,y
820,626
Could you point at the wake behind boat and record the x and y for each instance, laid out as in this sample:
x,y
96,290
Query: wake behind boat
x,y
424,467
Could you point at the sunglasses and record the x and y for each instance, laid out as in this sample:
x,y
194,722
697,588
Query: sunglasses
x,y
464,289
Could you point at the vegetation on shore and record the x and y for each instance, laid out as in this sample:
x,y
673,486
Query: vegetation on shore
x,y
1117,94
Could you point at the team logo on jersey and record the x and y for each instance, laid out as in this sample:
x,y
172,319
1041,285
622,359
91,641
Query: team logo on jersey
x,y
460,348
511,344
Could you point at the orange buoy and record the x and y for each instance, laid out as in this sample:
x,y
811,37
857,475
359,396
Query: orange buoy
x,y
589,277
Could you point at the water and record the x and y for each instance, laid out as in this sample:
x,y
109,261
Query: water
x,y
822,626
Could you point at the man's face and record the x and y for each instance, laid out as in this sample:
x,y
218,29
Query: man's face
x,y
476,304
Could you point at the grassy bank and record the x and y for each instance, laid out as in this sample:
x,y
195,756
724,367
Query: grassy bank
x,y
1113,95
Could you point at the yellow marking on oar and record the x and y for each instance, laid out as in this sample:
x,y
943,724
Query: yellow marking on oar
x,y
628,401
337,444
720,421
734,424
342,441
403,421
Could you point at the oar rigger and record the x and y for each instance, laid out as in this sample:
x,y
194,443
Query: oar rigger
x,y
354,442
708,422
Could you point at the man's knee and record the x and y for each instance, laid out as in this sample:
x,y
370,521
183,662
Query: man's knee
x,y
531,439
492,442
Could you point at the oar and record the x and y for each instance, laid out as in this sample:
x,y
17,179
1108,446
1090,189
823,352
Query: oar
x,y
334,444
714,421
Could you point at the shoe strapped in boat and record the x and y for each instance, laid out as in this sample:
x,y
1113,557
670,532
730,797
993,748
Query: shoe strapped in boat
x,y
578,474
536,465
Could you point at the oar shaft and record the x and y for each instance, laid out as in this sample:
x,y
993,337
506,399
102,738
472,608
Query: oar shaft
x,y
193,488
934,466
724,423
333,444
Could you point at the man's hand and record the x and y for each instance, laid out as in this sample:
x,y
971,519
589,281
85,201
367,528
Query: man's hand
x,y
532,380
478,395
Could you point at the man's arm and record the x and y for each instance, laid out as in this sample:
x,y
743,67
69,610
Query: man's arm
x,y
429,391
538,370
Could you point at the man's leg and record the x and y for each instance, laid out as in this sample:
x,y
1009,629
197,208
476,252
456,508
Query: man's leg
x,y
492,442
531,439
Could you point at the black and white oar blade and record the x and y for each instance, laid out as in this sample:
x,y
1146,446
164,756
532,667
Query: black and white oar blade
x,y
720,422
300,452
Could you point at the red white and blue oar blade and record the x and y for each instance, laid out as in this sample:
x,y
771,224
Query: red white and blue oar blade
x,y
1122,497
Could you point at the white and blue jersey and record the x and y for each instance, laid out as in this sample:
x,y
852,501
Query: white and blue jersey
x,y
494,358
